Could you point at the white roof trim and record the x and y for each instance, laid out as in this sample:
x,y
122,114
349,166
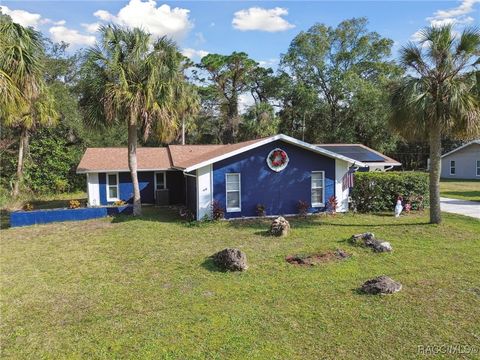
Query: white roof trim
x,y
461,147
120,170
287,139
383,163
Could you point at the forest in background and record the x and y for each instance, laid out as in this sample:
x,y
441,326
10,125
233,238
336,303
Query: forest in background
x,y
331,86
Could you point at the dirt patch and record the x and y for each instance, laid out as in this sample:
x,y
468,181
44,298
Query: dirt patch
x,y
311,260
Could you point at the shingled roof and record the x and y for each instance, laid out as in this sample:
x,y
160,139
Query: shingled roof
x,y
159,158
116,159
185,157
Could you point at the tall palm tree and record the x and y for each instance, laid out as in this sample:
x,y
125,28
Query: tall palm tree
x,y
26,101
438,97
129,76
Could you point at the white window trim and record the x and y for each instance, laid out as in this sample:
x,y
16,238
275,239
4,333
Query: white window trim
x,y
155,181
235,209
477,166
108,186
323,188
453,167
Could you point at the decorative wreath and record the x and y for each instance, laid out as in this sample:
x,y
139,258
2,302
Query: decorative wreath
x,y
277,160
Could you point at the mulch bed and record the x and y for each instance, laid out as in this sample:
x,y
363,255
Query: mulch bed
x,y
311,260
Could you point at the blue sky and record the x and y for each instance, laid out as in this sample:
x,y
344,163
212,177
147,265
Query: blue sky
x,y
262,29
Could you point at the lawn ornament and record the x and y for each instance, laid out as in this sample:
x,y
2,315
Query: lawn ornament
x,y
398,207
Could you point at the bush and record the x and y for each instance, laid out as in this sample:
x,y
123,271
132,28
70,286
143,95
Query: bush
x,y
302,207
217,210
74,204
378,191
260,209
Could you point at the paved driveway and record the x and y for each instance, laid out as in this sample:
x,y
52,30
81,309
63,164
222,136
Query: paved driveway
x,y
462,207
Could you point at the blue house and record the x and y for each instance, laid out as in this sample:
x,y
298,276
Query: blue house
x,y
276,172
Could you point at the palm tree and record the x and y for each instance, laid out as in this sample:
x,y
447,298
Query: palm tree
x,y
438,96
26,102
131,77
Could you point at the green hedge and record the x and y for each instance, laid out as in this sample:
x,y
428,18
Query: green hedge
x,y
378,191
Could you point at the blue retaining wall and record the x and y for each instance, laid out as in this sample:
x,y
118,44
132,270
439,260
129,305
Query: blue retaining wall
x,y
279,192
24,218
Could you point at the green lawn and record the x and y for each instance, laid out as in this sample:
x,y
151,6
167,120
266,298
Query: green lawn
x,y
143,288
460,189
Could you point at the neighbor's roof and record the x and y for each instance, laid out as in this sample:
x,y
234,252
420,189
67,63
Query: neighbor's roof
x,y
362,153
115,159
185,157
462,147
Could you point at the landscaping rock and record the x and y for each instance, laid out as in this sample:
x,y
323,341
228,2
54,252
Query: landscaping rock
x,y
280,227
368,239
381,285
231,260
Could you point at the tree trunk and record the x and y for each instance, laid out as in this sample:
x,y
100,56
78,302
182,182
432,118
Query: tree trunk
x,y
132,164
435,166
21,156
183,130
230,132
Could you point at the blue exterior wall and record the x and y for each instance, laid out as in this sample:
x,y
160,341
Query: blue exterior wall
x,y
279,192
175,183
24,218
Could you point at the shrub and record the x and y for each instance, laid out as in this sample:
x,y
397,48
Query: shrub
x,y
260,208
74,204
187,215
332,205
302,207
217,210
28,207
378,191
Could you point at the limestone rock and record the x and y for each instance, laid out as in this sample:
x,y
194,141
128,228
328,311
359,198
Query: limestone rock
x,y
231,260
381,285
280,227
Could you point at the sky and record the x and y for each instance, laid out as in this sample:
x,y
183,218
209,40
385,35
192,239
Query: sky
x,y
262,29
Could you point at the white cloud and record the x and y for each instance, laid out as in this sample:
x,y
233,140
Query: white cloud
x,y
193,54
159,21
273,62
22,17
455,16
104,15
199,38
245,100
91,28
256,18
70,36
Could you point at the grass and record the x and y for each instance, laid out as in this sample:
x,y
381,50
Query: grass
x,y
145,288
460,189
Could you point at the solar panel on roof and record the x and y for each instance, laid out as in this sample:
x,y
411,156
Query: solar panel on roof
x,y
355,152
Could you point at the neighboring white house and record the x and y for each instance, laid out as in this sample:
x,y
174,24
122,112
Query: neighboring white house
x,y
463,162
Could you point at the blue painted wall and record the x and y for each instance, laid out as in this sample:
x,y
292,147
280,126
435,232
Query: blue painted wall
x,y
175,182
24,218
279,192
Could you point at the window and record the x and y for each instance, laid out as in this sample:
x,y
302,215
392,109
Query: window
x,y
112,187
160,180
452,167
233,192
318,180
478,168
